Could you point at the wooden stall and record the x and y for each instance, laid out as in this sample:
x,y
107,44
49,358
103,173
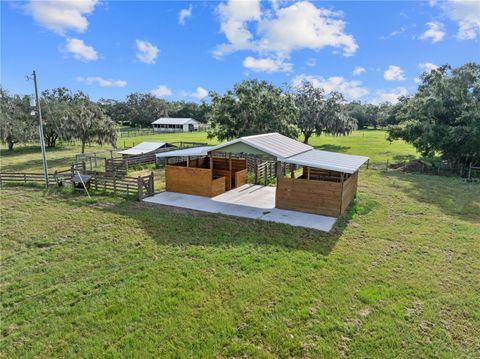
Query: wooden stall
x,y
206,175
317,191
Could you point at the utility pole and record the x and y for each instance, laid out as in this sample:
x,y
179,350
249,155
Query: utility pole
x,y
40,128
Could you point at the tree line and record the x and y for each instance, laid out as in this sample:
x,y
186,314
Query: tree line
x,y
441,118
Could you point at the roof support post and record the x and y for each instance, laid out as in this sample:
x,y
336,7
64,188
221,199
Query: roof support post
x,y
188,161
308,173
211,161
292,170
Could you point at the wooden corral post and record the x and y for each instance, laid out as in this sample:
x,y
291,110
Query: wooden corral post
x,y
139,188
152,183
114,184
368,162
292,170
386,169
256,172
188,161
96,181
308,173
211,161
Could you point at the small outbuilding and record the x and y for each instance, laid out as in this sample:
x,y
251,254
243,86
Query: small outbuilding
x,y
308,180
173,124
146,147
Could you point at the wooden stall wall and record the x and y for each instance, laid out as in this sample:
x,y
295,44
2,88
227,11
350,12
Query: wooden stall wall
x,y
349,191
241,178
318,197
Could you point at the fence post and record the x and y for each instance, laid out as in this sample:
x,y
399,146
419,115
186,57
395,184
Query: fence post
x,y
114,185
96,180
386,169
469,171
139,188
25,178
152,184
368,162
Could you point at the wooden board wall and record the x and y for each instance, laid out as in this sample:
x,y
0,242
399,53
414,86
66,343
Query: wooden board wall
x,y
349,191
196,181
241,178
318,197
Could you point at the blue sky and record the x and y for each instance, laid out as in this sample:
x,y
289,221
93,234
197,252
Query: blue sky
x,y
370,51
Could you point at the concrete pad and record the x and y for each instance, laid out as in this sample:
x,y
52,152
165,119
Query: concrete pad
x,y
248,201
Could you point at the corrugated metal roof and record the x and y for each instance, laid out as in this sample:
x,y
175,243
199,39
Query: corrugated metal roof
x,y
328,160
274,144
172,121
143,147
193,151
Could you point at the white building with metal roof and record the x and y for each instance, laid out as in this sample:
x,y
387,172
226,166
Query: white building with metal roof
x,y
174,124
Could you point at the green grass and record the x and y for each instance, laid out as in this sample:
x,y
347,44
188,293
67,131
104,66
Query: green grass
x,y
366,143
397,278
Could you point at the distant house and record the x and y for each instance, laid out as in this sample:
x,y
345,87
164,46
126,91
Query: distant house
x,y
170,124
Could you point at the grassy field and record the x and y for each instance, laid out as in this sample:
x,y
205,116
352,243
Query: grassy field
x,y
398,276
367,143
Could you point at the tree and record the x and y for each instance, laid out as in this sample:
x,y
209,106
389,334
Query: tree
x,y
16,123
252,107
186,110
88,123
55,106
358,111
143,109
118,111
444,115
319,113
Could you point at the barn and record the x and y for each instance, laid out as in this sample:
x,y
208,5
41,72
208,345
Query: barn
x,y
308,180
173,124
144,148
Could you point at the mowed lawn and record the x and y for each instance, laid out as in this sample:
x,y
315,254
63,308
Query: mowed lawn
x,y
398,277
369,143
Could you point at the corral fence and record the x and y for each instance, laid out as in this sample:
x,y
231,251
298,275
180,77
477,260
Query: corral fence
x,y
471,172
25,178
120,165
140,186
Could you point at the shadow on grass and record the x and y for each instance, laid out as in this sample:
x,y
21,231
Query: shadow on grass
x,y
332,148
25,150
452,195
184,227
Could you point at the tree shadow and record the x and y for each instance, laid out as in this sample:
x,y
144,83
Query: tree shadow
x,y
31,149
452,195
401,158
333,148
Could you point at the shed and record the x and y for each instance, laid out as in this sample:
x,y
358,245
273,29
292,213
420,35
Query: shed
x,y
173,124
308,180
145,147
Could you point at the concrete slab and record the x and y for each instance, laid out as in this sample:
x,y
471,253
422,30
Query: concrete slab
x,y
248,201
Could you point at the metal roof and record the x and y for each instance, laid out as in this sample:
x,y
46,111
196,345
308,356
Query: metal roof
x,y
193,151
172,121
274,144
332,161
143,147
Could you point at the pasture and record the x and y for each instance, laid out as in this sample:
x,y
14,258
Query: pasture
x,y
396,278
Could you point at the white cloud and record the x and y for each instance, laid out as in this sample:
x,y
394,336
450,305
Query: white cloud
x,y
427,67
467,14
80,50
417,80
268,65
60,16
184,14
200,93
394,73
390,95
435,32
281,30
101,81
146,52
358,71
402,30
161,91
351,89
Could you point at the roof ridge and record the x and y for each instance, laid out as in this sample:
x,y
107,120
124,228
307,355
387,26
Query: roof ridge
x,y
260,135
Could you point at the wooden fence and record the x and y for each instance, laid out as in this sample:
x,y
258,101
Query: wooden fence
x,y
23,177
141,186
